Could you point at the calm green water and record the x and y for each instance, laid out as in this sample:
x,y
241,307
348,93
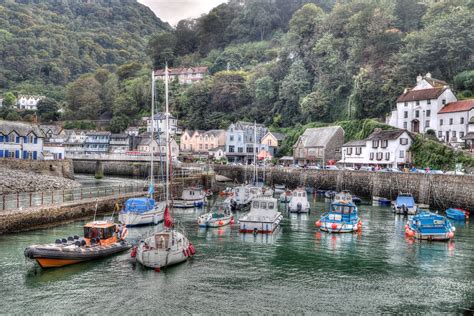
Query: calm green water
x,y
298,269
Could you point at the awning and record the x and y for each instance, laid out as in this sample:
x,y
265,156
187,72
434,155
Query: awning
x,y
263,154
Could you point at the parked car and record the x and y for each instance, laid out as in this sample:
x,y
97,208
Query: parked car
x,y
365,168
455,172
348,168
331,167
395,170
314,167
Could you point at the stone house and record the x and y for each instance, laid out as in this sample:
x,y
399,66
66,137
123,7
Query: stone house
x,y
241,143
319,145
454,119
381,148
148,145
202,141
183,75
20,141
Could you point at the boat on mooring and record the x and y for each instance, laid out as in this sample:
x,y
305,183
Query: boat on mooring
x,y
221,216
263,216
405,204
101,239
285,197
457,214
330,194
191,197
342,216
299,202
429,226
141,211
242,195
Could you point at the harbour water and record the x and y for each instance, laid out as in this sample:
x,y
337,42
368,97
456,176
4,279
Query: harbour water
x,y
297,269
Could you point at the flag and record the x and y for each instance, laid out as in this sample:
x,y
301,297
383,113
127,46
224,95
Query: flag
x,y
151,190
168,219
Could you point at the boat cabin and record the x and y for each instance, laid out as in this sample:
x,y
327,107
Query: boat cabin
x,y
299,193
105,231
192,194
263,204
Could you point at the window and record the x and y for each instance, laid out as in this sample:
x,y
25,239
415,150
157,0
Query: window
x,y
231,138
263,205
402,154
461,120
184,146
375,143
441,122
387,156
239,138
371,156
405,125
417,102
358,150
256,204
349,151
384,143
379,156
428,113
406,104
461,134
440,134
271,205
450,121
427,123
231,149
206,146
240,150
417,113
454,133
405,114
403,141
444,101
428,101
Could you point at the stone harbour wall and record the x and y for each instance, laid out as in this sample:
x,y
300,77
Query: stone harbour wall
x,y
440,191
58,168
116,168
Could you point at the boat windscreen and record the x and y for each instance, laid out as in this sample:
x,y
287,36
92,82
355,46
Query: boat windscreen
x,y
405,200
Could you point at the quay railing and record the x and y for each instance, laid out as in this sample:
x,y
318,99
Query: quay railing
x,y
18,201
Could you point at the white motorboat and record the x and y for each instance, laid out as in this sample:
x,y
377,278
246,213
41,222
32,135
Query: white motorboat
x,y
263,216
142,211
191,197
222,216
405,204
242,195
299,202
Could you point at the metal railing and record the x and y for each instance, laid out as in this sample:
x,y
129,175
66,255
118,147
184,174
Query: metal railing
x,y
18,201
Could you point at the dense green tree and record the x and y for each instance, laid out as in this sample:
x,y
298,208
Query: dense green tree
x,y
9,100
161,49
48,110
119,123
84,98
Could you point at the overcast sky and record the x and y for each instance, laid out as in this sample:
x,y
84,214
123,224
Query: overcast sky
x,y
172,11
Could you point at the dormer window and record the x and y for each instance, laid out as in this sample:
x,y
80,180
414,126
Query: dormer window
x,y
428,101
375,144
406,104
417,102
444,101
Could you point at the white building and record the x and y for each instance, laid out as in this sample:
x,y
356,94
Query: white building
x,y
28,102
54,138
381,148
418,107
453,124
240,141
183,75
97,142
147,145
217,153
160,123
20,141
119,143
75,142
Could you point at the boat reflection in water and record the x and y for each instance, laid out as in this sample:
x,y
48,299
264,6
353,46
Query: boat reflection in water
x,y
262,238
220,232
338,243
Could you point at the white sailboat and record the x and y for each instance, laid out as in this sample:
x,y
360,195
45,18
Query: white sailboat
x,y
145,211
169,247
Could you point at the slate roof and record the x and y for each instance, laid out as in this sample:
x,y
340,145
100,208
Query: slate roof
x,y
458,106
468,136
182,71
55,129
20,128
278,136
161,116
387,135
423,94
356,143
318,137
121,135
98,133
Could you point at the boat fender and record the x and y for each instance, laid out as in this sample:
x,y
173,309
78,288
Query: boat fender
x,y
77,243
185,253
318,224
334,226
124,233
133,254
192,249
451,234
58,241
64,241
70,238
83,242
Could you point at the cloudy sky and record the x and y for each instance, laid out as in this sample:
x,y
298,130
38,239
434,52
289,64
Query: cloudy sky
x,y
172,11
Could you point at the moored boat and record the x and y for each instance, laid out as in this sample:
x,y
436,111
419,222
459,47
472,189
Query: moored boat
x,y
101,239
430,226
299,202
405,204
263,216
191,197
330,194
222,216
285,197
242,195
457,214
141,211
342,216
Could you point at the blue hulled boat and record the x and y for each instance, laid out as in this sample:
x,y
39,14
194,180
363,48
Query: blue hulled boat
x,y
429,226
405,204
457,214
342,216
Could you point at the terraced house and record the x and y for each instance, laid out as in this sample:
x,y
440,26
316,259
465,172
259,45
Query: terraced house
x,y
20,141
200,142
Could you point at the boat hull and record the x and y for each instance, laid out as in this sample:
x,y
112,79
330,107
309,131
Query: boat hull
x,y
215,223
134,219
161,258
188,203
339,228
53,256
259,227
399,210
433,237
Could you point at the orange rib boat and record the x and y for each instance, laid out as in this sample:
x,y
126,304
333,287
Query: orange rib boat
x,y
100,240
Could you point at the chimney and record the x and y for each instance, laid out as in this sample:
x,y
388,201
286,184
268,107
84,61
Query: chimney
x,y
428,75
377,130
419,78
405,91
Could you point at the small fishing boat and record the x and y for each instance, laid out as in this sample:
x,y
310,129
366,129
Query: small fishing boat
x,y
279,188
356,199
285,197
191,197
141,211
263,216
299,202
101,239
429,226
342,216
330,194
457,214
222,216
242,196
405,204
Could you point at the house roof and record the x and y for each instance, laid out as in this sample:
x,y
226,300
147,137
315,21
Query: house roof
x,y
20,128
162,116
278,136
387,135
218,148
214,132
145,141
356,143
435,82
458,106
468,136
319,137
243,124
182,71
98,133
55,129
423,94
121,135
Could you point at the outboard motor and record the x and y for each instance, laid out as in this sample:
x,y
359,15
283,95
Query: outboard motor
x,y
299,207
405,210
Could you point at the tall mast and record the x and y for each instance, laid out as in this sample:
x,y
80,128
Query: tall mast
x,y
167,133
255,152
152,128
